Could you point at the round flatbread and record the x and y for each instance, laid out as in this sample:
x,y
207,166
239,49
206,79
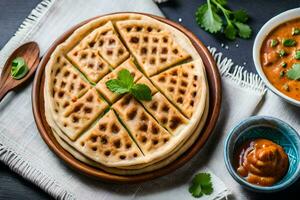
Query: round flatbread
x,y
119,132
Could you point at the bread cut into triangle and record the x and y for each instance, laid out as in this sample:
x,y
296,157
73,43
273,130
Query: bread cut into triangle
x,y
81,113
152,45
148,134
165,113
106,41
101,86
90,63
66,85
183,85
108,142
146,81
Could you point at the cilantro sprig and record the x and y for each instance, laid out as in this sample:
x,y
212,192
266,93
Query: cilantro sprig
x,y
125,84
201,185
233,24
294,72
19,68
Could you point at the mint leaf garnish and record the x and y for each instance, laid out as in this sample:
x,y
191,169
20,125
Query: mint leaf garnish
x,y
125,84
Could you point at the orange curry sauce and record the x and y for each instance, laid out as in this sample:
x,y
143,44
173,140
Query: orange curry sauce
x,y
273,64
261,162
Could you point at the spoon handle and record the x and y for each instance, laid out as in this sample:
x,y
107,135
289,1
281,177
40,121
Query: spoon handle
x,y
3,91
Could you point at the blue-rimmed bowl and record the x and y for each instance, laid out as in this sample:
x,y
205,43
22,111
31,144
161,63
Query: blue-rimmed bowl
x,y
269,128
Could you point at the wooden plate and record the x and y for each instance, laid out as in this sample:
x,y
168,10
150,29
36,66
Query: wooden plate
x,y
214,82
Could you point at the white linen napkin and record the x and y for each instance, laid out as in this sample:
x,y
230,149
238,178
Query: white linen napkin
x,y
24,151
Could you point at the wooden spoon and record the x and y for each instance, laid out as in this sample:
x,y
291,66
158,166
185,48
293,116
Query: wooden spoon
x,y
30,52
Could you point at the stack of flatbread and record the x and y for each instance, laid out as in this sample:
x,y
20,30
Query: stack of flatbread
x,y
118,133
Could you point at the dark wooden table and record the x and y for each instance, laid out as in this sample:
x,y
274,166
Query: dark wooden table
x,y
13,12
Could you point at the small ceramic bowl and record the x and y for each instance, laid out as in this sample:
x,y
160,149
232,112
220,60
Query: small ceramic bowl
x,y
264,31
268,128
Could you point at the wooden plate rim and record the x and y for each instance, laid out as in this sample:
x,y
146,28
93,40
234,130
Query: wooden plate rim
x,y
214,111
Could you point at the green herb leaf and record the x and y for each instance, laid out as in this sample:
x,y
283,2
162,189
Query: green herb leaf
x,y
125,76
207,189
240,16
201,184
207,18
294,72
19,68
125,84
289,42
284,64
141,92
274,43
244,30
230,31
117,86
282,53
296,31
297,55
281,74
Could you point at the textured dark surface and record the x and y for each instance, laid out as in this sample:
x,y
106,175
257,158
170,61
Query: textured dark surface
x,y
13,12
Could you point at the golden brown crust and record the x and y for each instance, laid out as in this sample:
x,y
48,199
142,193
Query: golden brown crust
x,y
148,134
80,114
106,42
183,85
108,141
152,45
89,63
165,113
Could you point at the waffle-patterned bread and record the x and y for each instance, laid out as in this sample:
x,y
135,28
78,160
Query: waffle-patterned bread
x,y
82,113
106,42
153,46
165,113
118,133
144,129
108,142
90,64
182,84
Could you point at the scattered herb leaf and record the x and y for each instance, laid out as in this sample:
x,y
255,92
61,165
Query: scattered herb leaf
x,y
274,42
294,72
296,31
19,68
289,42
281,74
201,184
297,55
214,17
282,53
284,64
125,84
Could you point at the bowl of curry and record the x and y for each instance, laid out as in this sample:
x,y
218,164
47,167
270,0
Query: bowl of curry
x,y
276,55
262,153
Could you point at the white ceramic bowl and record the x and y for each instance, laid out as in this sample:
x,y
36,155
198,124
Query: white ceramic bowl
x,y
264,31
